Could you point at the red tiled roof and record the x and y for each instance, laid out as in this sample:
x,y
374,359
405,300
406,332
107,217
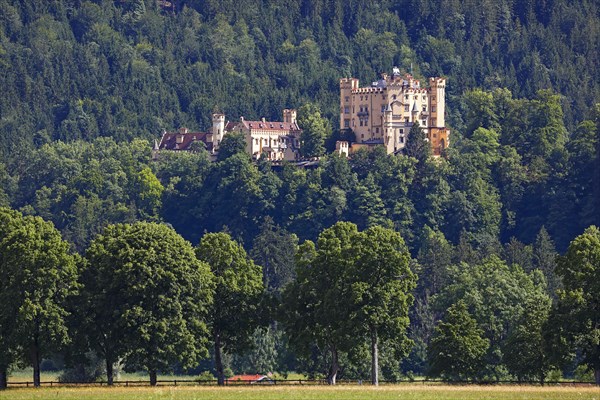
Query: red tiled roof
x,y
272,126
169,140
230,125
247,378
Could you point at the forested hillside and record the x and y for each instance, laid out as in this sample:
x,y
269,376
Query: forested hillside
x,y
88,85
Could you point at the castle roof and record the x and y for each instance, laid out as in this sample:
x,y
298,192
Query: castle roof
x,y
276,126
182,140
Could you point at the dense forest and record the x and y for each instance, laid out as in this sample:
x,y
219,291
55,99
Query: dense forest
x,y
88,85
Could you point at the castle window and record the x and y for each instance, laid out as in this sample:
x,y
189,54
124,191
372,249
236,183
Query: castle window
x,y
347,99
424,122
401,139
346,123
432,108
360,98
362,135
394,97
432,98
383,108
424,108
255,141
406,108
405,97
346,110
376,130
401,130
361,122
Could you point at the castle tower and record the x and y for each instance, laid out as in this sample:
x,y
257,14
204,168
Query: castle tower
x,y
289,116
218,129
390,137
437,96
346,87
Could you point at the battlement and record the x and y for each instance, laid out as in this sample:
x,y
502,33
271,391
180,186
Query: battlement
x,y
367,90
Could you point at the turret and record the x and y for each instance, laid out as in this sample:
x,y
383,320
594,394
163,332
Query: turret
x,y
218,129
289,116
347,85
437,98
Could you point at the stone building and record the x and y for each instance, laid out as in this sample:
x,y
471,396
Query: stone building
x,y
275,140
383,113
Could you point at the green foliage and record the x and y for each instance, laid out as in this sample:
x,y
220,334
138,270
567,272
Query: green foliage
x,y
417,144
497,296
39,274
315,130
316,307
458,347
236,311
577,310
526,350
87,87
274,249
381,286
354,287
232,144
146,298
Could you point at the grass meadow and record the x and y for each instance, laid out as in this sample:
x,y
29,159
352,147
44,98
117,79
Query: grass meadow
x,y
403,391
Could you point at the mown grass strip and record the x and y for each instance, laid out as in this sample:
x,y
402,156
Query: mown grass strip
x,y
409,392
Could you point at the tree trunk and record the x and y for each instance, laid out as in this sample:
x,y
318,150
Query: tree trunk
x,y
597,376
109,372
219,361
3,378
334,367
152,377
374,358
35,361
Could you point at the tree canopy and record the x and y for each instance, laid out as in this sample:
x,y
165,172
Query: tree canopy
x,y
39,274
146,298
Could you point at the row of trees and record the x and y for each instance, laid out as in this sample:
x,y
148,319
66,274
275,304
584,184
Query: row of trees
x,y
143,296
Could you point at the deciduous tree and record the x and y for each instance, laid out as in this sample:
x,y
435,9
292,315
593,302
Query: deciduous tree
x,y
458,348
381,286
38,275
145,298
580,272
236,311
316,306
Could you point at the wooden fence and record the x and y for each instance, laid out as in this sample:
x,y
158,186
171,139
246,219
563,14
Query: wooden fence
x,y
297,382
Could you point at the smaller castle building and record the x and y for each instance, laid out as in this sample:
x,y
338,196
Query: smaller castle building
x,y
384,113
274,140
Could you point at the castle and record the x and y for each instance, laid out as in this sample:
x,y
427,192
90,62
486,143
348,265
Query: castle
x,y
383,113
379,115
276,141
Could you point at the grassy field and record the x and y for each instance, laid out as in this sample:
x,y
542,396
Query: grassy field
x,y
408,391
